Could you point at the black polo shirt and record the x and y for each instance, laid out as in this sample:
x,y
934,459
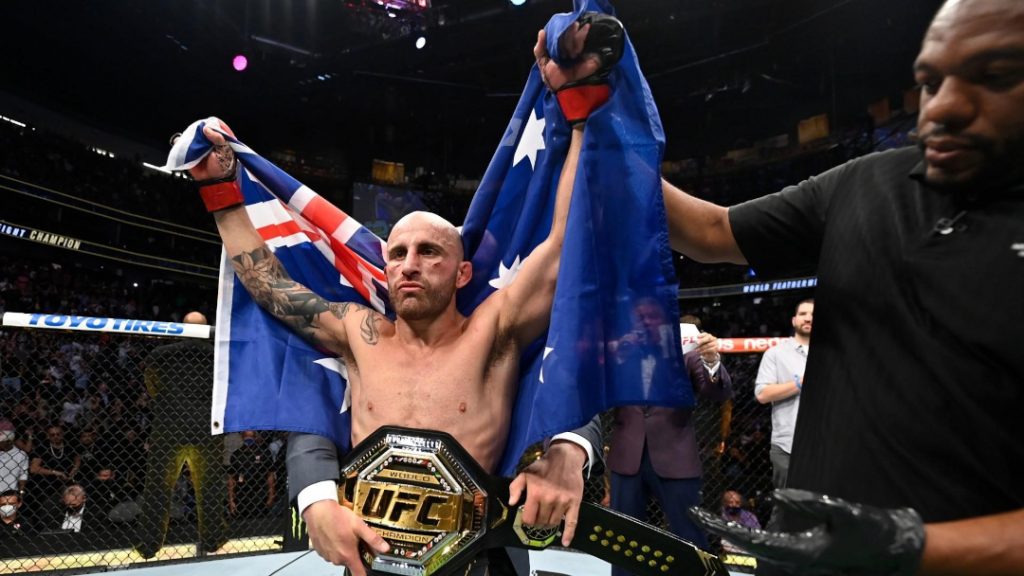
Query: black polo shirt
x,y
915,383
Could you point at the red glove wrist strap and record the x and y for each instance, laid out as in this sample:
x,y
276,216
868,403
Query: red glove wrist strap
x,y
577,102
221,195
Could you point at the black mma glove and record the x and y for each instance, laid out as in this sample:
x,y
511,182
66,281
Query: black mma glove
x,y
844,537
606,40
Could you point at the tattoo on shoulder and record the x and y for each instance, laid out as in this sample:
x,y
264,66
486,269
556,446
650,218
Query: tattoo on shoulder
x,y
340,309
369,329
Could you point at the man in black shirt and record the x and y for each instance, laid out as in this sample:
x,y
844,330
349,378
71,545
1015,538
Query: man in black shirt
x,y
54,464
917,374
915,384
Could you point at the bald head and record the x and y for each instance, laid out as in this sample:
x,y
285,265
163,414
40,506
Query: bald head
x,y
194,318
953,10
957,13
444,231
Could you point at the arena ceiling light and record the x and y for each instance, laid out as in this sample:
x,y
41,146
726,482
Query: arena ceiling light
x,y
421,42
518,2
13,121
240,62
164,170
157,168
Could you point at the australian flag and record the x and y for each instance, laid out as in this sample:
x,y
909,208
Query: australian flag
x,y
615,255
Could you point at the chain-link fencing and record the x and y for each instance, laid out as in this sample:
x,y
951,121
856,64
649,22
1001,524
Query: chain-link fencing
x,y
107,460
106,457
733,438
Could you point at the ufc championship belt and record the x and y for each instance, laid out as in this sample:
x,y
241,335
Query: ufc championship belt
x,y
437,509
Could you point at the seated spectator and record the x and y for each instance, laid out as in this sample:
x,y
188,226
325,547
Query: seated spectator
x,y
251,479
129,451
26,441
101,476
10,524
13,462
733,511
75,517
89,455
93,414
71,408
53,464
98,472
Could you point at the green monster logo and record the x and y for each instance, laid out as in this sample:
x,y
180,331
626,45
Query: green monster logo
x,y
298,524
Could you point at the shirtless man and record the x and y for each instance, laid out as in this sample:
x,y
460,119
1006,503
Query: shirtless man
x,y
430,368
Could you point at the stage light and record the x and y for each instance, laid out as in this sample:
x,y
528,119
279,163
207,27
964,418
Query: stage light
x,y
518,2
157,168
421,42
240,62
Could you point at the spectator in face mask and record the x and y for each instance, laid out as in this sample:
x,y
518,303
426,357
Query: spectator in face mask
x,y
75,518
733,511
10,524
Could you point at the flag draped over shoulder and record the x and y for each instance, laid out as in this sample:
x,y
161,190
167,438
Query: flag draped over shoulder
x,y
615,255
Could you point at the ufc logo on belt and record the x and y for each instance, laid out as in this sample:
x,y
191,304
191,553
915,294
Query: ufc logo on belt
x,y
407,507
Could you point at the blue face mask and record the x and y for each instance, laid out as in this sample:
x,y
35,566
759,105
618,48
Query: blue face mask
x,y
249,441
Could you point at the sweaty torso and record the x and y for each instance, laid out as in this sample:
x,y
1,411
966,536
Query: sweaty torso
x,y
464,385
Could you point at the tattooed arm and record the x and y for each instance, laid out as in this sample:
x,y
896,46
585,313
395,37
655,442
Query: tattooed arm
x,y
318,321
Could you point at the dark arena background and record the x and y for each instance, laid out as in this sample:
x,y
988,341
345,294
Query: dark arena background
x,y
382,107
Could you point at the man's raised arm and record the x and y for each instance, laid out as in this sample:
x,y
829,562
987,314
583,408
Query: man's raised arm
x,y
525,305
318,321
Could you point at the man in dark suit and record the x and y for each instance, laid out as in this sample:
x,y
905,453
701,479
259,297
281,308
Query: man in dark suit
x,y
654,449
73,515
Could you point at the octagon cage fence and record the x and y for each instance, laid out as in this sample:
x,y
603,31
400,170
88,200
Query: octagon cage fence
x,y
120,468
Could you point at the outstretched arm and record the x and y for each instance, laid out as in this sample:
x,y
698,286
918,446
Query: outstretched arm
x,y
699,229
318,321
595,44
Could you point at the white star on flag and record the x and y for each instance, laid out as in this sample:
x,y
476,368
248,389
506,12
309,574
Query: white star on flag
x,y
336,365
547,350
506,275
531,141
